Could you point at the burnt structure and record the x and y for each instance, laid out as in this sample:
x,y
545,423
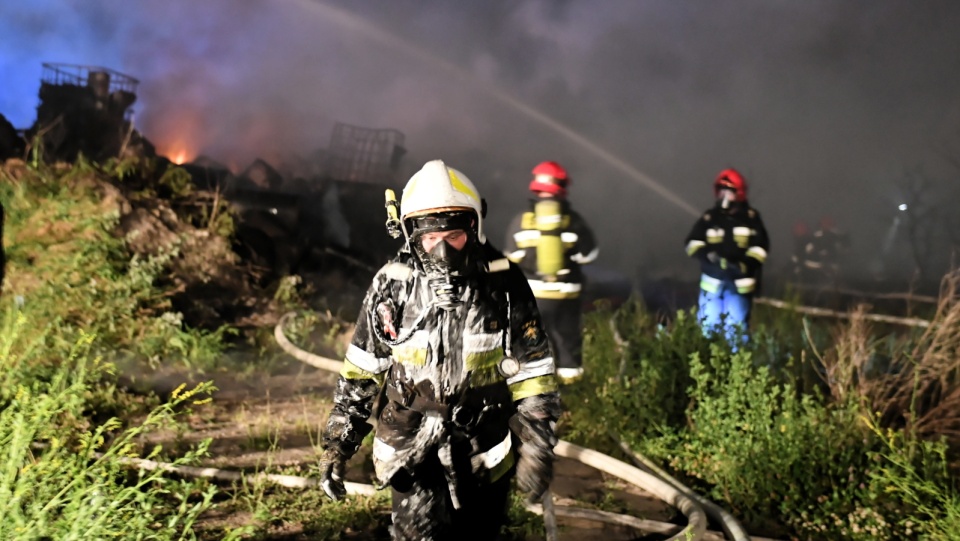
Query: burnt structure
x,y
329,209
364,154
86,109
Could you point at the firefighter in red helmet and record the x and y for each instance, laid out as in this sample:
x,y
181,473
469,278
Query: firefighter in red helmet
x,y
550,241
731,244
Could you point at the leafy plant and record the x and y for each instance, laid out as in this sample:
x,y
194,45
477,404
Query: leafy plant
x,y
754,430
62,477
73,274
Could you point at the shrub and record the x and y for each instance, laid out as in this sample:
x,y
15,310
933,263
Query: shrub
x,y
754,430
70,272
59,479
768,452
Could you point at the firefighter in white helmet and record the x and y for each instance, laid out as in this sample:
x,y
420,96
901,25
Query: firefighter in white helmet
x,y
450,356
550,242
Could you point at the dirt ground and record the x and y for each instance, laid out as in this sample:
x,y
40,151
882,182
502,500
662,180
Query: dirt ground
x,y
273,422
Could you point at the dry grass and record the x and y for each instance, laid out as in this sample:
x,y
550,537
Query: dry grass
x,y
920,389
847,363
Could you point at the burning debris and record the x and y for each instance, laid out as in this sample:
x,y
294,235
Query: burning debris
x,y
286,221
310,217
302,219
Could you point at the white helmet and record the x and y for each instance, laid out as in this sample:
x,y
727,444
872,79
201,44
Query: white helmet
x,y
438,188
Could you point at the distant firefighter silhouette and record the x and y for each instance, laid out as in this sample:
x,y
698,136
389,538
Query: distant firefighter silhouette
x,y
818,262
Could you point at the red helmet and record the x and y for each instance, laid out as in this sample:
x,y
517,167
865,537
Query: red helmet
x,y
560,180
732,179
800,229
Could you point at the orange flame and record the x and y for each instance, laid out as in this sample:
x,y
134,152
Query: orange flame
x,y
176,135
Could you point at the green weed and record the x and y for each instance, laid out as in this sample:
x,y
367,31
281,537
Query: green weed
x,y
63,477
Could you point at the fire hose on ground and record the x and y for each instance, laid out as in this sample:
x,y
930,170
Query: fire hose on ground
x,y
663,487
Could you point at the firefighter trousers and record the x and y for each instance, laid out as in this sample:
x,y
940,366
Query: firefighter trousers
x,y
423,509
561,321
726,312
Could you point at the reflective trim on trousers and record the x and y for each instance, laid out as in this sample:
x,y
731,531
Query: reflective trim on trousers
x,y
725,311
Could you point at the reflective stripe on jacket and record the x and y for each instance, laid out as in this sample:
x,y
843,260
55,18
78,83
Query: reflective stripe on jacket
x,y
731,244
579,248
450,360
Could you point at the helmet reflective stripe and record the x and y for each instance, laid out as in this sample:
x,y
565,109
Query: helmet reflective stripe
x,y
438,188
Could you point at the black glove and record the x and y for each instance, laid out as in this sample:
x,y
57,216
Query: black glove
x,y
347,424
345,431
535,425
332,467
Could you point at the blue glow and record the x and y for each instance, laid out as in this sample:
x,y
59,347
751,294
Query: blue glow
x,y
61,31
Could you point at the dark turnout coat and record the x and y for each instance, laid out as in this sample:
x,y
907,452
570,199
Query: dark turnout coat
x,y
738,241
437,375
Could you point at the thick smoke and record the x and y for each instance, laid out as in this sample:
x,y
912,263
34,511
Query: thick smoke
x,y
828,107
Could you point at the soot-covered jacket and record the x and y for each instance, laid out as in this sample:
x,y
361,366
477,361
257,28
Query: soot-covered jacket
x,y
434,372
738,242
580,248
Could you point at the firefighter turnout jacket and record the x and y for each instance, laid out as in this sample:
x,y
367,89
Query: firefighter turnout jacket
x,y
731,245
445,381
550,242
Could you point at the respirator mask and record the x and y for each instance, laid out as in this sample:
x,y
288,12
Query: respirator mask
x,y
727,197
445,266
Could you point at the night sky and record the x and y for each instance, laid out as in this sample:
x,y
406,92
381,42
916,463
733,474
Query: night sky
x,y
829,108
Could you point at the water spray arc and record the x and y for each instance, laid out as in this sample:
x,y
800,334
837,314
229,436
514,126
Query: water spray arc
x,y
357,24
